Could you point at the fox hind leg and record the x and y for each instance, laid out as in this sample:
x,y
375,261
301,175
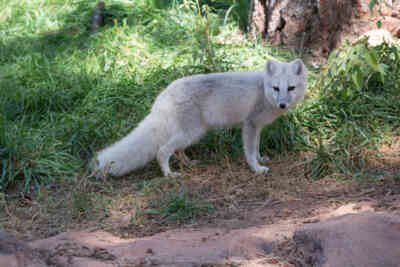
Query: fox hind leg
x,y
177,142
181,155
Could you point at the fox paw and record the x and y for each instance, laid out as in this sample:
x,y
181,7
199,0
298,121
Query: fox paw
x,y
261,170
174,174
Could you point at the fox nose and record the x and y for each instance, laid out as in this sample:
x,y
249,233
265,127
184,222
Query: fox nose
x,y
282,105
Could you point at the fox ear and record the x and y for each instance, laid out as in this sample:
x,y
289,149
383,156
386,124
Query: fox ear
x,y
270,67
298,66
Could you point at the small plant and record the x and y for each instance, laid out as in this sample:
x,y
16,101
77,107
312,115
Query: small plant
x,y
82,204
168,200
181,206
357,105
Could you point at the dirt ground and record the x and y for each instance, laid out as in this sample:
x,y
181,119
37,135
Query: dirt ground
x,y
238,198
228,205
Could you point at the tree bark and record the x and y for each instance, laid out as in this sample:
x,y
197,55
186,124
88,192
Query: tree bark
x,y
318,25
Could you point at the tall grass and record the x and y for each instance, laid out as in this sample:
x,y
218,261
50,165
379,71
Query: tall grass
x,y
66,93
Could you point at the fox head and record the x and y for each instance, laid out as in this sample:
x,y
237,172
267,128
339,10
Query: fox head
x,y
285,83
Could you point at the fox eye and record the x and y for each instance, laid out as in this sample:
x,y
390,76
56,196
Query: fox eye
x,y
291,88
276,88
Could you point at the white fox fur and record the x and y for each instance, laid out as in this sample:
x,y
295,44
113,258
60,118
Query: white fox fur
x,y
192,105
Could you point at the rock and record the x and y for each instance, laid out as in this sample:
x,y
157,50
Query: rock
x,y
379,37
15,253
177,248
365,239
357,239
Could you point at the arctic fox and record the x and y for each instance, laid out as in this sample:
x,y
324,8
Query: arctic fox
x,y
190,106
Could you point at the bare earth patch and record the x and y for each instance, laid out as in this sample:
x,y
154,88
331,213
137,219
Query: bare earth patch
x,y
231,217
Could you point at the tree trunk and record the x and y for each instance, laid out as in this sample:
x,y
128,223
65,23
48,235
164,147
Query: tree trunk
x,y
319,25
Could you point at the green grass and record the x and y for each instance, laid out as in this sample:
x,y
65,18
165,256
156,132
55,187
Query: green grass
x,y
356,109
171,202
65,93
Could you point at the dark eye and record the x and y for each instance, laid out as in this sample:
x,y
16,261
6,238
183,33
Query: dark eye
x,y
276,88
291,88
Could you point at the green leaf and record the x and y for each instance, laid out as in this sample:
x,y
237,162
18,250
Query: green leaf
x,y
382,77
396,51
372,4
344,93
371,59
382,68
382,72
357,78
379,24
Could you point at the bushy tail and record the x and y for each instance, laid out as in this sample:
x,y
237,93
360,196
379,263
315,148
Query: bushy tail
x,y
134,150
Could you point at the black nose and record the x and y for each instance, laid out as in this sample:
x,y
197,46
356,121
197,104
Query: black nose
x,y
282,105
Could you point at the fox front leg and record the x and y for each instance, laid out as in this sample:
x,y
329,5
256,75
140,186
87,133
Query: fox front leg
x,y
251,137
265,159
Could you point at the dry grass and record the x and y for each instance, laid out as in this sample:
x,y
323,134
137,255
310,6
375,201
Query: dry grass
x,y
133,205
